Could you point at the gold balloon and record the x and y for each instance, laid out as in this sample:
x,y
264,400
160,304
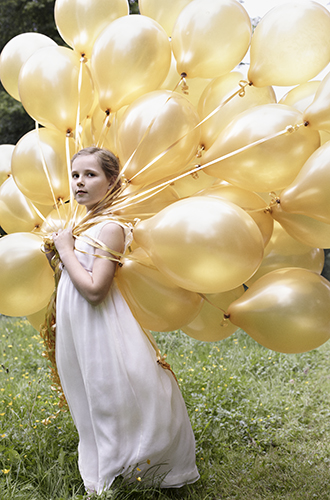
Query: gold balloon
x,y
309,193
142,206
156,122
210,37
48,87
285,251
290,45
15,53
195,242
164,12
37,319
305,229
251,202
17,213
286,310
6,152
209,325
216,93
267,166
302,96
28,167
156,302
80,22
317,113
26,278
130,57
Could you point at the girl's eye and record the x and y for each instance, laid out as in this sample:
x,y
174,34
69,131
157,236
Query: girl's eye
x,y
74,176
90,174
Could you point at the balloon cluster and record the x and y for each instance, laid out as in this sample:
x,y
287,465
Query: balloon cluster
x,y
227,188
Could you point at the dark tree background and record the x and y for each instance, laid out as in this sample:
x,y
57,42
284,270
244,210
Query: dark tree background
x,y
22,16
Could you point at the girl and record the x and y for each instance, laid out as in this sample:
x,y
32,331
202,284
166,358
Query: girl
x,y
128,410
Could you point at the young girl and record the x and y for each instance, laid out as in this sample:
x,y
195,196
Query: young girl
x,y
128,410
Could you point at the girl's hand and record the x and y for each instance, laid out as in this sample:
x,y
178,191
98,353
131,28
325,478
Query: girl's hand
x,y
64,241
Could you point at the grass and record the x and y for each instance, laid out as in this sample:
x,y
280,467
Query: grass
x,y
261,421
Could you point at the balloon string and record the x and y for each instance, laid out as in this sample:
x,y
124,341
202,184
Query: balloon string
x,y
105,126
77,132
288,130
136,198
240,92
46,171
68,167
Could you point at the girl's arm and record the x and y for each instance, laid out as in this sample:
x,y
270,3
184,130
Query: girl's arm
x,y
93,287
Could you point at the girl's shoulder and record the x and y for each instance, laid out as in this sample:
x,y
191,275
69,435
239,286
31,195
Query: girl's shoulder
x,y
95,230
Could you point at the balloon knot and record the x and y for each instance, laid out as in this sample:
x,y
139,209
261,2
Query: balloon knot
x,y
243,84
69,132
83,58
107,112
184,86
200,151
306,123
226,316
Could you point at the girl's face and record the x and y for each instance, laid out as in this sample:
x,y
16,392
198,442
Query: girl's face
x,y
88,181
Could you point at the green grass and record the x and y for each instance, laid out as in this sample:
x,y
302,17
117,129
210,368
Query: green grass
x,y
261,421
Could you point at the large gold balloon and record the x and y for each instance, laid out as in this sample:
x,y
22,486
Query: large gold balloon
x,y
220,90
286,310
156,122
15,53
17,213
290,45
267,166
34,151
307,230
130,57
251,202
210,37
317,113
6,152
26,278
203,244
156,302
165,12
285,251
309,193
209,325
80,22
48,88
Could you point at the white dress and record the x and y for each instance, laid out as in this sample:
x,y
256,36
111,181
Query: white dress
x,y
128,410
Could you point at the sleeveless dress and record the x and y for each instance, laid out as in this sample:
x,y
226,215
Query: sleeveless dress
x,y
128,410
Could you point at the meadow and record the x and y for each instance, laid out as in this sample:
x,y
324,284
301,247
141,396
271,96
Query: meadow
x,y
261,421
